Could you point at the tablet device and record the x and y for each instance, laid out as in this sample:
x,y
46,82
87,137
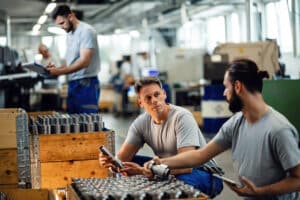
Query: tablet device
x,y
118,163
227,180
40,69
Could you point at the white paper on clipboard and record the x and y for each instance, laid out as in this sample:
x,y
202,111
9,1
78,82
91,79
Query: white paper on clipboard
x,y
36,68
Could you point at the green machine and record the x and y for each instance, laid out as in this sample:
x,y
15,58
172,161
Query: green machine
x,y
284,96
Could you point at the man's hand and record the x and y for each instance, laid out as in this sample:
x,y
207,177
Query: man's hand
x,y
249,188
131,168
107,162
56,71
146,170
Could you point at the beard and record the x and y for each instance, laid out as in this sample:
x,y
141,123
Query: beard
x,y
70,28
235,103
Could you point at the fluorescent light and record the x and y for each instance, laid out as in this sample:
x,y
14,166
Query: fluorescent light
x,y
118,31
56,30
42,19
36,27
134,34
50,7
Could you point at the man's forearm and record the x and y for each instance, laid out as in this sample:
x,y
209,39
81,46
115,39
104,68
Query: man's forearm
x,y
181,171
192,158
76,66
289,184
186,159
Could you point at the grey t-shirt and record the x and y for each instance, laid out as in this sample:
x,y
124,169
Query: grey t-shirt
x,y
179,130
263,151
83,37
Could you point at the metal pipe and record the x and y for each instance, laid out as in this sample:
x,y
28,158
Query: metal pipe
x,y
8,31
248,18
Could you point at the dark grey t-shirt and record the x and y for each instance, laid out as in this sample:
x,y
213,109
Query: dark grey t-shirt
x,y
179,130
263,151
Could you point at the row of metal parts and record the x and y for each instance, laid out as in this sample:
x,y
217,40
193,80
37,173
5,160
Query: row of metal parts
x,y
65,123
132,188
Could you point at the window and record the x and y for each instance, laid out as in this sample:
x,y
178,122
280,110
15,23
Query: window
x,y
278,24
216,32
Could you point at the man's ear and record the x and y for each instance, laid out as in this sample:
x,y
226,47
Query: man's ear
x,y
238,87
139,102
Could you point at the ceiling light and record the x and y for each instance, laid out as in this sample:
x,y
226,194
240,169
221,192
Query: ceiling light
x,y
134,34
42,19
50,7
118,31
36,27
56,30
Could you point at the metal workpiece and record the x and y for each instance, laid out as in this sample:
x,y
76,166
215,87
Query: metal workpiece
x,y
136,187
65,123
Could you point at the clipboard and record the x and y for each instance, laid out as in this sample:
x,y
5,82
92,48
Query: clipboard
x,y
40,69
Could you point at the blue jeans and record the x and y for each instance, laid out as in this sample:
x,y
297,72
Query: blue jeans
x,y
199,179
83,95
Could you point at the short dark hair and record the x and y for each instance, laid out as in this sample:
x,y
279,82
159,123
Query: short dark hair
x,y
247,72
146,81
62,10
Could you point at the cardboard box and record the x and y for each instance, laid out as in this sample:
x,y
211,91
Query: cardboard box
x,y
198,117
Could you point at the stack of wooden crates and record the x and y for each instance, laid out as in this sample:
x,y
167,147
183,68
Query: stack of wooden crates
x,y
54,159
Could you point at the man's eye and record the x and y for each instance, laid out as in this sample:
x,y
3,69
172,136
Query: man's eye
x,y
156,94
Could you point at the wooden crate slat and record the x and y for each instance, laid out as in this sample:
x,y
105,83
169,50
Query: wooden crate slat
x,y
63,147
23,194
8,166
59,174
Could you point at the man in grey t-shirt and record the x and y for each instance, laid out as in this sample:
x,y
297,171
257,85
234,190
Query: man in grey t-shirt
x,y
168,130
83,62
264,144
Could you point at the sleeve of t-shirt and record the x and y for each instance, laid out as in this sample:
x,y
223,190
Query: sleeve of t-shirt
x,y
87,39
187,131
225,135
135,134
285,144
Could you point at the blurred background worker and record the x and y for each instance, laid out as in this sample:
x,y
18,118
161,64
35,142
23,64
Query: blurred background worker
x,y
46,56
50,99
83,62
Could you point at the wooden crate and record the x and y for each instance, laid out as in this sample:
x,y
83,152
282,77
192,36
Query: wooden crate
x,y
8,124
8,168
64,156
12,121
26,194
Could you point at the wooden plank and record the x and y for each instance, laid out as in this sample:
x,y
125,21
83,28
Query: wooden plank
x,y
21,194
59,174
8,140
8,186
8,166
77,146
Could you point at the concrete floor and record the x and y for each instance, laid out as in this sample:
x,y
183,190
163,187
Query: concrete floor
x,y
120,125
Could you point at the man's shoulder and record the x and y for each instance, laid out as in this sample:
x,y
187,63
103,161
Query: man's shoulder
x,y
85,27
278,120
142,118
179,109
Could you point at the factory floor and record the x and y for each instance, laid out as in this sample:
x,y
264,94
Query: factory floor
x,y
121,124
